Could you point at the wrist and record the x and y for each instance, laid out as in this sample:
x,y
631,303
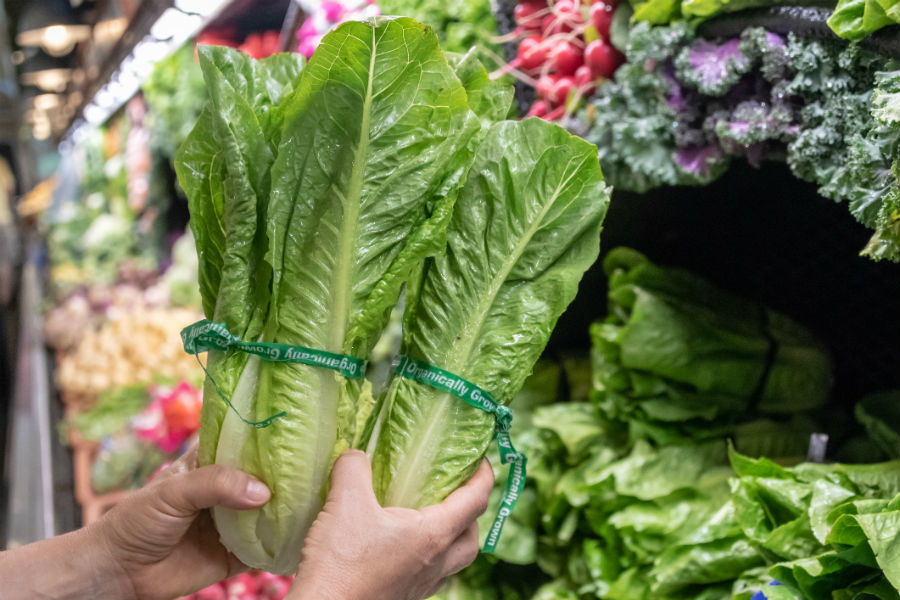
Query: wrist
x,y
321,586
74,565
101,566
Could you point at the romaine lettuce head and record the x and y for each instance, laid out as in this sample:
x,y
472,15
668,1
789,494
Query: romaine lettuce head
x,y
525,228
313,194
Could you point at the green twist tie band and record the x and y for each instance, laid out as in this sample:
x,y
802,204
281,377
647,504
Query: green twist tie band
x,y
473,395
204,335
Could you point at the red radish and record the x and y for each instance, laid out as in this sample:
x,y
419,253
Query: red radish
x,y
585,80
554,114
545,86
272,587
583,76
213,592
531,54
601,17
538,109
565,17
553,24
568,9
560,91
602,58
567,58
528,16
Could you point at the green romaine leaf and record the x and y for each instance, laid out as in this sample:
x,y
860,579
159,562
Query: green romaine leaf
x,y
490,99
223,167
658,12
712,562
524,230
573,422
855,19
878,530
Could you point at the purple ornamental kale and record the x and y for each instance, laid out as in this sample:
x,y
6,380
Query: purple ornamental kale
x,y
699,160
713,68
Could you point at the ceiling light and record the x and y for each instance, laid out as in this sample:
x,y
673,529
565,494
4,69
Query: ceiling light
x,y
174,23
109,31
41,130
46,102
48,73
205,8
52,24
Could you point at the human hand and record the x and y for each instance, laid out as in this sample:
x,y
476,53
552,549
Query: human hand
x,y
161,540
357,550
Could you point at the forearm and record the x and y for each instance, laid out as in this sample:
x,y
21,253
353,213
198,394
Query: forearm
x,y
75,565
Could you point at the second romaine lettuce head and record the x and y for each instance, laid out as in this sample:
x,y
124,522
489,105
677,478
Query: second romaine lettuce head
x,y
524,230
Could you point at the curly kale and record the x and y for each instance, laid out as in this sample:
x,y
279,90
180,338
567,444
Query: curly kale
x,y
819,151
657,44
751,123
771,49
850,133
682,108
633,130
885,244
679,121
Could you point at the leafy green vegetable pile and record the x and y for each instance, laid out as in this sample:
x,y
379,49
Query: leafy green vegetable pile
x,y
832,531
683,107
677,367
316,195
175,95
460,24
638,499
851,19
679,360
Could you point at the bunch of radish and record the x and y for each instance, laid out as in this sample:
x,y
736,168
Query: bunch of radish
x,y
255,585
564,51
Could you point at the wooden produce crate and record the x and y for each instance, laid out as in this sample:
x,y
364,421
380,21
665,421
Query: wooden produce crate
x,y
84,452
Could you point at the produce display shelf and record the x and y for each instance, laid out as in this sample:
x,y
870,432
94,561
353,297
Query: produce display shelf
x,y
30,470
84,452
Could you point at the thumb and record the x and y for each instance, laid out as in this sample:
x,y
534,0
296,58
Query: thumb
x,y
351,478
213,485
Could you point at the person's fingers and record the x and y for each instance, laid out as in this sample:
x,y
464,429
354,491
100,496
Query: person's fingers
x,y
352,478
435,589
465,504
463,551
188,460
185,463
235,566
214,485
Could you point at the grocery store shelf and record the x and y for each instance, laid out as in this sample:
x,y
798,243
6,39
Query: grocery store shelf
x,y
31,514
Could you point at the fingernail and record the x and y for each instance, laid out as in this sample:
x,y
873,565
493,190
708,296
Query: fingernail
x,y
257,490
